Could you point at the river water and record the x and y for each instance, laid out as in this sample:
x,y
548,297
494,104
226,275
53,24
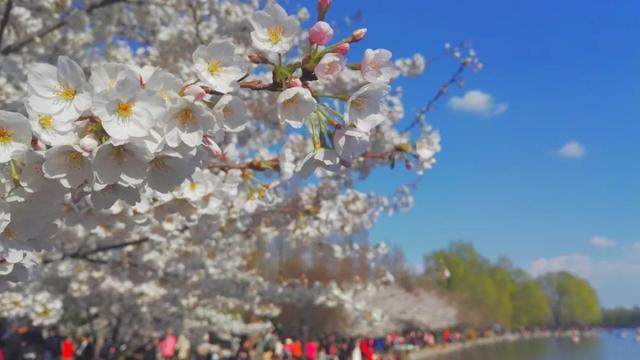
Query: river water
x,y
606,346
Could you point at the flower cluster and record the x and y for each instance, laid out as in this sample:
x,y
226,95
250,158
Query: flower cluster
x,y
130,183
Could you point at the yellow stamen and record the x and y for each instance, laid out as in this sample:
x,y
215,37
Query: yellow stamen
x,y
275,34
111,84
192,185
119,153
185,117
125,109
5,136
9,233
359,103
159,165
227,111
66,93
45,121
215,67
73,159
292,101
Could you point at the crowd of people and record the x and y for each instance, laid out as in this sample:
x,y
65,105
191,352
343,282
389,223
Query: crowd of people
x,y
25,343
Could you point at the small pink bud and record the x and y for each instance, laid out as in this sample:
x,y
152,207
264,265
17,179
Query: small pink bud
x,y
196,91
295,82
320,33
343,48
88,144
323,7
37,145
324,4
359,34
408,164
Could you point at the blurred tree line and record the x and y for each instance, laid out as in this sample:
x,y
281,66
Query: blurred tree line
x,y
621,317
486,292
490,293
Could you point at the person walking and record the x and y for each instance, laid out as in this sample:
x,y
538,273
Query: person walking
x,y
67,349
183,347
86,349
168,345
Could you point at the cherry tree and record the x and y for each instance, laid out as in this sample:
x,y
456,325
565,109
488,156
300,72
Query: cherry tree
x,y
148,148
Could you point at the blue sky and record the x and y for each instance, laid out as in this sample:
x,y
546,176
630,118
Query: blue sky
x,y
567,73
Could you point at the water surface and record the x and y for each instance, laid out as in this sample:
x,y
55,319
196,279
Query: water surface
x,y
606,346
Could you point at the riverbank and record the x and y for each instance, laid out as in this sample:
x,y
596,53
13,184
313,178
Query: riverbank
x,y
431,352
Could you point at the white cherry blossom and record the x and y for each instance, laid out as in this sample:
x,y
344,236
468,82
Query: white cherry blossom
x,y
51,129
365,108
218,66
68,164
330,67
167,171
350,143
321,158
128,112
377,66
60,90
186,122
124,164
232,112
273,29
106,76
295,105
15,135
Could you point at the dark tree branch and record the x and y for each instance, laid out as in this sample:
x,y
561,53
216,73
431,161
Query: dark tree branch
x,y
85,255
5,19
439,94
11,48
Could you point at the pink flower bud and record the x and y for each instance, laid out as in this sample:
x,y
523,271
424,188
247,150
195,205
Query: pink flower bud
x,y
323,7
320,33
195,91
37,145
359,34
295,82
88,144
343,49
324,4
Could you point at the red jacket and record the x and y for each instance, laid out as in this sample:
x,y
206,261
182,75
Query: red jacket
x,y
66,350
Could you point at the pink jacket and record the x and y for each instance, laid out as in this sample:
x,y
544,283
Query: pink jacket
x,y
168,346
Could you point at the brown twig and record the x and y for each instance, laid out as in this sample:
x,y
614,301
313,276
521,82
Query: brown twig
x,y
84,255
5,19
19,44
439,94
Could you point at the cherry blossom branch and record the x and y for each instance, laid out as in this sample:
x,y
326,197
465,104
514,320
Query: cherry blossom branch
x,y
47,30
100,249
257,165
438,95
259,85
5,19
196,22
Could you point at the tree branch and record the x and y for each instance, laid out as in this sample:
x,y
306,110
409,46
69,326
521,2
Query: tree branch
x,y
5,19
51,28
100,249
439,94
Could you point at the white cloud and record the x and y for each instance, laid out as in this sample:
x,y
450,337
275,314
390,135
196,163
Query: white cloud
x,y
574,263
572,149
614,279
601,241
477,102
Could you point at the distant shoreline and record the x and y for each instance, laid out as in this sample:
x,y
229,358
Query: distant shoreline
x,y
428,353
